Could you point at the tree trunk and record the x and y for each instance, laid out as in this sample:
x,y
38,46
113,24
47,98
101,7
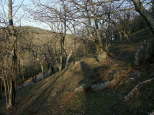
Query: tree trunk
x,y
153,9
145,14
10,12
42,68
149,19
68,59
10,75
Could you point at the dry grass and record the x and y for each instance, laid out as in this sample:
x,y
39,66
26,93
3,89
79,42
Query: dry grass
x,y
56,94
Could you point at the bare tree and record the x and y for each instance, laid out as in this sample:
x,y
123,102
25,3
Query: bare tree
x,y
9,60
97,16
58,19
147,16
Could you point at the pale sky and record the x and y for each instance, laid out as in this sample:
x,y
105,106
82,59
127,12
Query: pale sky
x,y
21,17
24,19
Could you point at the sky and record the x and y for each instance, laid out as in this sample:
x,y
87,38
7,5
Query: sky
x,y
21,17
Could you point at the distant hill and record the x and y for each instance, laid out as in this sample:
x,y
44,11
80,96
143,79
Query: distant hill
x,y
40,41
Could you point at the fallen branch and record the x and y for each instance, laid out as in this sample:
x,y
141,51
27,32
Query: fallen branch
x,y
136,89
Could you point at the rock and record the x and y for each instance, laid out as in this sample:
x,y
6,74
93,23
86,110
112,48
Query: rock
x,y
135,75
151,113
94,87
27,84
79,89
100,86
132,78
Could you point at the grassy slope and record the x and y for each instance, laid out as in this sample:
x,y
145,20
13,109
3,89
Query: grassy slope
x,y
39,38
56,95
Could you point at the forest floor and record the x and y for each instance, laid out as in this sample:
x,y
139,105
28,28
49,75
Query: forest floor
x,y
64,93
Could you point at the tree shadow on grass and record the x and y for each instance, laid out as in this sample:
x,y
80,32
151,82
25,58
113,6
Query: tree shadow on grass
x,y
96,102
123,53
92,74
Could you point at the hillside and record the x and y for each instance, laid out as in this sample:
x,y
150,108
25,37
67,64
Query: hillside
x,y
39,37
96,59
69,92
35,43
89,87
